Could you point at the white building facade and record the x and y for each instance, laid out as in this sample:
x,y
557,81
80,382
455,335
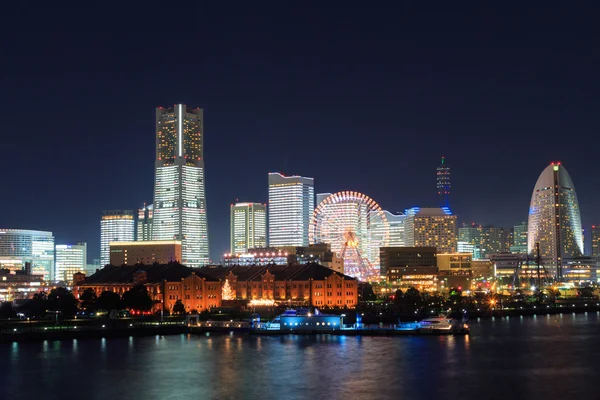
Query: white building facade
x,y
20,246
70,259
291,206
115,226
248,227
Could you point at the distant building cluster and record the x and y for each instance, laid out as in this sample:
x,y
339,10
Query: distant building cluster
x,y
348,233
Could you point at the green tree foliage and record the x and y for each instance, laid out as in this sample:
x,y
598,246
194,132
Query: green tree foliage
x,y
178,308
61,299
137,298
7,311
108,301
455,295
88,300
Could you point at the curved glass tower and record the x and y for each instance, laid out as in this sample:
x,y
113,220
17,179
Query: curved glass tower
x,y
554,219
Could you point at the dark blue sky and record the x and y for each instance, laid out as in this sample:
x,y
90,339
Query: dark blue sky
x,y
360,98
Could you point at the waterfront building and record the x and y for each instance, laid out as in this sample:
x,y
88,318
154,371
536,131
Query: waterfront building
x,y
115,226
554,219
482,269
319,253
291,206
144,223
297,285
146,252
248,227
580,270
520,239
430,227
166,283
596,241
21,246
454,270
506,264
179,208
409,266
70,259
21,285
443,184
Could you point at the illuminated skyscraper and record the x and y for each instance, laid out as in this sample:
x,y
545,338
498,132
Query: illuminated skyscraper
x,y
248,227
115,226
554,219
443,184
20,246
69,260
430,227
144,223
291,206
179,190
596,241
519,239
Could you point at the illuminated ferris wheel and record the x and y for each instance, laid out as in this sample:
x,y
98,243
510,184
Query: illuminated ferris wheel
x,y
355,227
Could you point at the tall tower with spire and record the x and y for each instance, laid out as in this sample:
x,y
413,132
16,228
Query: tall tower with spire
x,y
443,184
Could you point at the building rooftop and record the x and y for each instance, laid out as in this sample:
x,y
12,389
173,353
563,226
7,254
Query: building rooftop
x,y
155,273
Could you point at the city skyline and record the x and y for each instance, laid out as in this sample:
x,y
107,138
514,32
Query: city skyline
x,y
337,105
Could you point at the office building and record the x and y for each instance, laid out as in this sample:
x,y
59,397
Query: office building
x,y
443,184
115,226
519,239
248,227
21,285
144,223
395,224
145,252
430,227
554,219
179,208
398,263
70,259
454,270
484,239
291,206
20,246
596,241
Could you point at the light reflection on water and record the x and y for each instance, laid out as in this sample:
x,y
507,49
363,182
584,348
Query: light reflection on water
x,y
543,357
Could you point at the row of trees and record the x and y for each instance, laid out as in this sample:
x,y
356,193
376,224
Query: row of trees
x,y
62,301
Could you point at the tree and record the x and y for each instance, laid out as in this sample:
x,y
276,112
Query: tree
x,y
412,297
455,295
35,307
137,298
88,300
7,311
179,308
226,292
62,299
586,292
108,301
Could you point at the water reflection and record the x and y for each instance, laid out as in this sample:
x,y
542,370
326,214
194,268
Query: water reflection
x,y
501,356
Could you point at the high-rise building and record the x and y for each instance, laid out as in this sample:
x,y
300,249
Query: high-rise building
x,y
70,259
248,227
395,225
519,239
179,208
431,227
484,239
443,184
115,226
596,241
554,219
291,206
20,247
321,197
144,223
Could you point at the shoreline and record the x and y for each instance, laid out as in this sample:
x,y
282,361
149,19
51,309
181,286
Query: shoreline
x,y
98,329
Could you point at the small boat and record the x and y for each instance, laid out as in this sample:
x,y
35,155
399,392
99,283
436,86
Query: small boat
x,y
442,324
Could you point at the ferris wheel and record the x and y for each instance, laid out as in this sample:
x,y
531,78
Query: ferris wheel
x,y
355,227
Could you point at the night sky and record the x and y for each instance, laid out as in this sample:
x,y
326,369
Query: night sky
x,y
364,99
